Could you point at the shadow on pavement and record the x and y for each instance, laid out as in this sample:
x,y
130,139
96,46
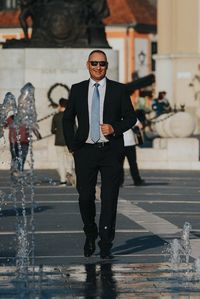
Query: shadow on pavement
x,y
19,211
138,244
147,184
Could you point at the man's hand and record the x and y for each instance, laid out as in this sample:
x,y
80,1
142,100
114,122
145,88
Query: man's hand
x,y
139,125
107,129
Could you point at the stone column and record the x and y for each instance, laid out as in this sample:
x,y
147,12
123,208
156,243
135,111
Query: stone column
x,y
178,58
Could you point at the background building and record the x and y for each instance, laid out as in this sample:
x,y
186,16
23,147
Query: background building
x,y
178,59
130,29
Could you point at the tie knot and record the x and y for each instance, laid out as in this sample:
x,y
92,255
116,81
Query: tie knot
x,y
96,85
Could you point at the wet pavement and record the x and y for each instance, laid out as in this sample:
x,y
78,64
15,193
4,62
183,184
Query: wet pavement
x,y
149,218
103,280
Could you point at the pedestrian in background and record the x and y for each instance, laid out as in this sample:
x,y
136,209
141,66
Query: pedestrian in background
x,y
64,157
129,152
19,144
103,111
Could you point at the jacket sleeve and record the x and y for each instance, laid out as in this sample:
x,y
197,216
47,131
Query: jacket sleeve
x,y
69,120
53,127
128,115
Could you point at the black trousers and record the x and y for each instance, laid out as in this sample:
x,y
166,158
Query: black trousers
x,y
18,159
130,153
89,161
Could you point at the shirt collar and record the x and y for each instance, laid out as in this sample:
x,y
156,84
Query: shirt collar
x,y
102,82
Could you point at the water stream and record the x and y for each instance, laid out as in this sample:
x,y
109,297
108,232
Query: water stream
x,y
24,114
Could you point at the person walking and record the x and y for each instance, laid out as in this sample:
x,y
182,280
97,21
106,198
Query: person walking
x,y
131,155
19,140
64,157
103,111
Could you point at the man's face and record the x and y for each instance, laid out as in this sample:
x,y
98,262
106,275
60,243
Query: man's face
x,y
97,66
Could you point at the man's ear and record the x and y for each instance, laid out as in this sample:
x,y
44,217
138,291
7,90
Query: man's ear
x,y
87,65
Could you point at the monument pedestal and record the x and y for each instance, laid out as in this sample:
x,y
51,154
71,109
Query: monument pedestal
x,y
44,68
170,153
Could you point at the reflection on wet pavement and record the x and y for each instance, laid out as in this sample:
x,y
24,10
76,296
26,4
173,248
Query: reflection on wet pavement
x,y
104,280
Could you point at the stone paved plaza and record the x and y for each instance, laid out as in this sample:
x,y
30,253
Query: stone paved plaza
x,y
149,218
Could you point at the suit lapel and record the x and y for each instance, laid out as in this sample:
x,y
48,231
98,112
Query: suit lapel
x,y
84,97
107,97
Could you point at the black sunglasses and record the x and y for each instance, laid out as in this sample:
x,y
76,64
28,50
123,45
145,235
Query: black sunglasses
x,y
101,63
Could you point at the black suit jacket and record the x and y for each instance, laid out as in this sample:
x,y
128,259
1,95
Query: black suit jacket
x,y
118,112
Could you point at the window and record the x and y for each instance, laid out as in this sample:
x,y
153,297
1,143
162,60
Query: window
x,y
8,4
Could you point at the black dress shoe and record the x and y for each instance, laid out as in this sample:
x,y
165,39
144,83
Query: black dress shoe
x,y
89,247
106,255
140,183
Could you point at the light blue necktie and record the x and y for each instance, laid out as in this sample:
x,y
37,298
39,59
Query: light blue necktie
x,y
95,115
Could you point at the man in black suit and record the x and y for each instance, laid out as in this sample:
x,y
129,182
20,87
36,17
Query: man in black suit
x,y
100,153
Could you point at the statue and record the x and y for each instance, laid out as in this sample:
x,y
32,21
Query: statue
x,y
26,11
195,84
63,23
97,10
